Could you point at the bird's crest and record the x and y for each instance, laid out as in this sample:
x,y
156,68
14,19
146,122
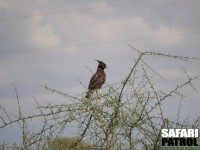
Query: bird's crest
x,y
101,64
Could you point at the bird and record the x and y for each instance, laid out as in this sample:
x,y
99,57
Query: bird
x,y
97,79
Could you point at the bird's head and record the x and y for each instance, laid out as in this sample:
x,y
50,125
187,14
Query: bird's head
x,y
101,64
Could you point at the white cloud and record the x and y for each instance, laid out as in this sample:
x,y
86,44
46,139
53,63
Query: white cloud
x,y
73,50
100,7
120,28
43,34
4,4
172,74
167,36
136,27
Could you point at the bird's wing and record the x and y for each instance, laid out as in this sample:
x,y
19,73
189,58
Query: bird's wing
x,y
96,81
93,80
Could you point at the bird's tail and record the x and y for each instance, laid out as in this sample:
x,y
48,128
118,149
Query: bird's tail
x,y
89,93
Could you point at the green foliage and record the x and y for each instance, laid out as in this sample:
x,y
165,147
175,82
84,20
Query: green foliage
x,y
66,143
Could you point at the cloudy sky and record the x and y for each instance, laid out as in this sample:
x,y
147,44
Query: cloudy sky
x,y
54,41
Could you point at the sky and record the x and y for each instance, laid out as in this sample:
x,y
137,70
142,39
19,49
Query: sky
x,y
55,42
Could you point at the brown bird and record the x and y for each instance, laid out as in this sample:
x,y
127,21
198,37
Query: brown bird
x,y
97,79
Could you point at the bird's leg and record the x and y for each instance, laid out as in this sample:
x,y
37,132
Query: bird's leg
x,y
98,93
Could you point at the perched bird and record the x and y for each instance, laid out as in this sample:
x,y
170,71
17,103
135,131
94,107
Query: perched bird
x,y
97,79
